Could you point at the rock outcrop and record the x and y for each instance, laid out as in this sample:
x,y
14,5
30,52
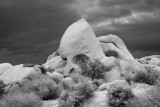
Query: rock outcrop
x,y
82,55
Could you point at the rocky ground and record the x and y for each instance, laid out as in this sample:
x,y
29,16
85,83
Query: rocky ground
x,y
86,71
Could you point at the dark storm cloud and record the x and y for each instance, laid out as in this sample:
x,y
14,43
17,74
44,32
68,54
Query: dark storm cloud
x,y
30,30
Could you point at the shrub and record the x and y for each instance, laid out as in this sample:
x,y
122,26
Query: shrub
x,y
21,100
150,77
44,87
98,70
85,89
67,99
79,94
121,97
2,91
91,68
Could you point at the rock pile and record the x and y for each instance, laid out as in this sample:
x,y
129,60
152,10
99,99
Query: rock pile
x,y
111,73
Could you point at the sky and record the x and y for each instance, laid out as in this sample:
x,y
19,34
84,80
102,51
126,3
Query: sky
x,y
30,30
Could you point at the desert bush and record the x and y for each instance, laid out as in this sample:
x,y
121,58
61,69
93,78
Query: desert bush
x,y
67,99
85,88
2,91
44,87
75,97
20,100
91,68
98,70
150,76
121,97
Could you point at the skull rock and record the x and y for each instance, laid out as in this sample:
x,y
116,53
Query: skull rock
x,y
79,38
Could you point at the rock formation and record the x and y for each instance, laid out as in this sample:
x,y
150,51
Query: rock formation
x,y
102,65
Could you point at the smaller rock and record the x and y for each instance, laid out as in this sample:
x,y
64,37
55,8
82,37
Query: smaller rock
x,y
118,83
67,83
15,88
155,61
56,76
24,81
55,63
50,103
60,70
7,88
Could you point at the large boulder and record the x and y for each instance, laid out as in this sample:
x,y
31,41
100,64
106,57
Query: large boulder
x,y
19,72
17,76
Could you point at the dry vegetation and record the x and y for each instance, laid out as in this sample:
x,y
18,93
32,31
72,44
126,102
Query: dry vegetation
x,y
44,87
121,97
75,97
20,100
